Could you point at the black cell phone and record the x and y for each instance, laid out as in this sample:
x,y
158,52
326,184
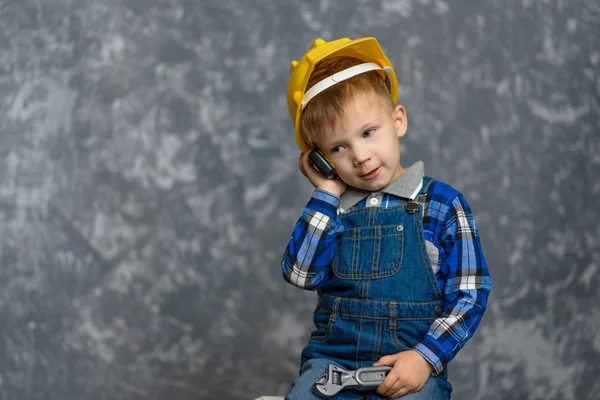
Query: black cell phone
x,y
322,164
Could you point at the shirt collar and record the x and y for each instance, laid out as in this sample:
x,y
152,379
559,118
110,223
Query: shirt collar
x,y
407,185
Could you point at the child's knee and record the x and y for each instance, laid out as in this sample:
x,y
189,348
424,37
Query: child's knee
x,y
302,387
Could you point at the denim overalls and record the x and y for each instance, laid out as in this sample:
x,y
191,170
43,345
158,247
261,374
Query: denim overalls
x,y
381,298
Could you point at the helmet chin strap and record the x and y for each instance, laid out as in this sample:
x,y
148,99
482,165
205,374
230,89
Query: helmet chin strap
x,y
339,77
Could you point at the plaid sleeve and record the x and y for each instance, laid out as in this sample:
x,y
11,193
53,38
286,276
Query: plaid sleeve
x,y
306,260
467,283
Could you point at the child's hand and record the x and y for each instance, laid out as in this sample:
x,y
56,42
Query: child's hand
x,y
409,373
334,186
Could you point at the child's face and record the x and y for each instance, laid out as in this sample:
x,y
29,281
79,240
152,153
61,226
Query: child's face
x,y
364,146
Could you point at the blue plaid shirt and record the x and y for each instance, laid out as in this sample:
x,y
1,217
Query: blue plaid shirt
x,y
456,255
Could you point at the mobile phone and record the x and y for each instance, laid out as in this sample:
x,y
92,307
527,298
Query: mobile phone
x,y
322,164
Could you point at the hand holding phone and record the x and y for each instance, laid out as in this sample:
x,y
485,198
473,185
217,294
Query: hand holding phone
x,y
321,173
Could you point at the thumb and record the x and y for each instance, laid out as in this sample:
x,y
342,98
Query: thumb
x,y
386,360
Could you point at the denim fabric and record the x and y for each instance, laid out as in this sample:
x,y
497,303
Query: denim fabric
x,y
381,298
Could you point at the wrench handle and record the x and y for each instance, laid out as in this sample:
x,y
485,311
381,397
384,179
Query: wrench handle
x,y
371,377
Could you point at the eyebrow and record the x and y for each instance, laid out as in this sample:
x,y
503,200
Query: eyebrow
x,y
368,124
363,128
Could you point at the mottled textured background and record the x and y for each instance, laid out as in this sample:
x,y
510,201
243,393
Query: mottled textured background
x,y
149,186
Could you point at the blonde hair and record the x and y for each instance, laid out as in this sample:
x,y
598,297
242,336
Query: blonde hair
x,y
325,110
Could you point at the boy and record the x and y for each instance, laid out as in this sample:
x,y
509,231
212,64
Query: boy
x,y
395,255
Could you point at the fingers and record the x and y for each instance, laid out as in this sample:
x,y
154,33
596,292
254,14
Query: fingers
x,y
397,390
394,389
308,170
319,181
387,360
304,165
406,376
390,385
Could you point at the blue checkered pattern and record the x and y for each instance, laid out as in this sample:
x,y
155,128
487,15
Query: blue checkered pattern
x,y
461,270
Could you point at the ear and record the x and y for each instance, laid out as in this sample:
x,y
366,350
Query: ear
x,y
400,120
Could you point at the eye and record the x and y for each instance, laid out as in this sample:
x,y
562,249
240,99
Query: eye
x,y
369,132
336,149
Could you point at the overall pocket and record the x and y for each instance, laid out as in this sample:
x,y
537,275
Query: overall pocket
x,y
369,252
409,332
321,319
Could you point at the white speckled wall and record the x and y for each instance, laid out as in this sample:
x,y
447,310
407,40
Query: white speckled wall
x,y
149,186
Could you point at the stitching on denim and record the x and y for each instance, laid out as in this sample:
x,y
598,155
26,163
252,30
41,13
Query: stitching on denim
x,y
334,309
376,246
365,287
322,338
362,316
378,337
400,250
358,341
370,211
396,342
355,252
384,303
392,328
392,315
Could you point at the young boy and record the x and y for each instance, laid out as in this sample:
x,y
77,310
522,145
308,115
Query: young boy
x,y
395,255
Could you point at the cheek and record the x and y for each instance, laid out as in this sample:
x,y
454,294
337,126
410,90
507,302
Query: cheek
x,y
342,170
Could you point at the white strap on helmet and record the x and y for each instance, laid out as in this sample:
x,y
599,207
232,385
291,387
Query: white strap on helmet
x,y
339,77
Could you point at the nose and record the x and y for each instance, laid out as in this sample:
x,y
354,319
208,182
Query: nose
x,y
360,156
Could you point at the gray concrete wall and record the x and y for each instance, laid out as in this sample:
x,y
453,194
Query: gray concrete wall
x,y
149,186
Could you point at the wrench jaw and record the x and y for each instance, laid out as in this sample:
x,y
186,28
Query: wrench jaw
x,y
330,384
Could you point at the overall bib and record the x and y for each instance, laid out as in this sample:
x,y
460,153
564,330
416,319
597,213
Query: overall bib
x,y
381,298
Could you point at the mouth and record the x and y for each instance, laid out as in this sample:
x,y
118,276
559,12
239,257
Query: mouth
x,y
371,174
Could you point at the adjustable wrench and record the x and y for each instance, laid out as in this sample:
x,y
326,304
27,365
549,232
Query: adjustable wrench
x,y
337,379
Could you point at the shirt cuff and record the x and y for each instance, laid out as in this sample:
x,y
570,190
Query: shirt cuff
x,y
430,357
324,202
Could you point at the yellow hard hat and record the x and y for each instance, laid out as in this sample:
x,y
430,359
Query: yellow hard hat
x,y
366,49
